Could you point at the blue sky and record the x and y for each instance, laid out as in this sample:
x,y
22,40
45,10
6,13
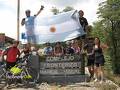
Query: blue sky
x,y
8,11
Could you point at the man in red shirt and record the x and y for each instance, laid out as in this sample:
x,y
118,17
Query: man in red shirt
x,y
12,53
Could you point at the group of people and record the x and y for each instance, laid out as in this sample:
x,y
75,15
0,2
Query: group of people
x,y
59,50
93,49
12,53
95,59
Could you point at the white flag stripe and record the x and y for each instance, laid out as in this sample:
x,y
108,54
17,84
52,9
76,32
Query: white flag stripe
x,y
60,28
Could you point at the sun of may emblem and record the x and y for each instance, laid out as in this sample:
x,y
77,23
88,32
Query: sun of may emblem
x,y
52,29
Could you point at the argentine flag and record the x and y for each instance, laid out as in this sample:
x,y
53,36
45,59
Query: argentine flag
x,y
62,27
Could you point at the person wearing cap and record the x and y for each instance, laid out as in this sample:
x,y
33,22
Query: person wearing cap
x,y
12,53
29,25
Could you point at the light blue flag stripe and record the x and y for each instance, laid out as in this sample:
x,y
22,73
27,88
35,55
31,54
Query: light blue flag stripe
x,y
56,19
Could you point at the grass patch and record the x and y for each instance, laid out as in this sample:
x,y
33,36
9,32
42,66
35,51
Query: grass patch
x,y
113,77
109,72
106,86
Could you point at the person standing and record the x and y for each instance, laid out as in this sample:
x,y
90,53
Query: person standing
x,y
83,21
26,50
29,25
12,54
99,60
89,47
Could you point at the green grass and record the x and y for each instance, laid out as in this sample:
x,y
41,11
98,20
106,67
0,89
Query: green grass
x,y
109,72
113,77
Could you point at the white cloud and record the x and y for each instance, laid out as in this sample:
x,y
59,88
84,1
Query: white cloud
x,y
8,11
90,9
8,23
63,3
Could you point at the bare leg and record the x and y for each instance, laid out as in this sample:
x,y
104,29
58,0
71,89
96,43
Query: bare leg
x,y
101,73
96,73
91,71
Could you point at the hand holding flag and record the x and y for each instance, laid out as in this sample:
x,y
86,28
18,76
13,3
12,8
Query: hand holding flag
x,y
42,7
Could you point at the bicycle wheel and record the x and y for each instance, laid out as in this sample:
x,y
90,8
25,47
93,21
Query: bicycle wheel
x,y
25,78
2,74
35,74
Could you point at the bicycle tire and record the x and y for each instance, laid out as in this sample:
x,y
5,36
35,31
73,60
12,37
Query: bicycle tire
x,y
2,74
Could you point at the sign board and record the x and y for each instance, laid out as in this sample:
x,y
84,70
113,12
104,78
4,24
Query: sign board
x,y
64,65
64,69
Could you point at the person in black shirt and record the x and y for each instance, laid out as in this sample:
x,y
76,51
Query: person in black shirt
x,y
89,47
83,21
99,60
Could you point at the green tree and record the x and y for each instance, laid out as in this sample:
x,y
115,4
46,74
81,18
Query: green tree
x,y
98,31
68,8
109,28
55,10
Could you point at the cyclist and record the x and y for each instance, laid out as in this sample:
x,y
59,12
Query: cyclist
x,y
12,53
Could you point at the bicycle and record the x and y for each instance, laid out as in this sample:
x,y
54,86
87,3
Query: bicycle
x,y
21,73
3,72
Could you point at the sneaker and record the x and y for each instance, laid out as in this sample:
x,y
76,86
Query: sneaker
x,y
101,82
96,80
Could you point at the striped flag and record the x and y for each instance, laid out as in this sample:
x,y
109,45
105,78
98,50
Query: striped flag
x,y
62,27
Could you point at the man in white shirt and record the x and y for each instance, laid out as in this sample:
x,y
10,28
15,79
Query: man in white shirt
x,y
29,25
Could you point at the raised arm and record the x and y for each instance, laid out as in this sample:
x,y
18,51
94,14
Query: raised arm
x,y
39,11
74,16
